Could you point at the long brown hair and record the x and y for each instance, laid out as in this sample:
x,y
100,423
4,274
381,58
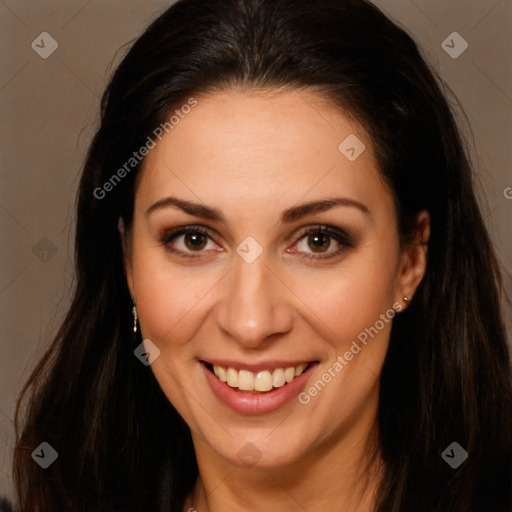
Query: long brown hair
x,y
121,444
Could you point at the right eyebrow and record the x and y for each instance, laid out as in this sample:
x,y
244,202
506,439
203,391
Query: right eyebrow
x,y
195,209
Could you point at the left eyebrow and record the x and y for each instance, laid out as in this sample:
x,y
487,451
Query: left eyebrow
x,y
303,210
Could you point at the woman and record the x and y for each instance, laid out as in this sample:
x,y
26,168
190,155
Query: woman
x,y
286,296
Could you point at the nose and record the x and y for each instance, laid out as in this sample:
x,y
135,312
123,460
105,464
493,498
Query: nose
x,y
253,304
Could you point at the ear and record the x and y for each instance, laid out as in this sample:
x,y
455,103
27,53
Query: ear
x,y
126,244
413,261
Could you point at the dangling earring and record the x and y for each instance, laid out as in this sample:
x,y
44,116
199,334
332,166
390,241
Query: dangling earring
x,y
134,313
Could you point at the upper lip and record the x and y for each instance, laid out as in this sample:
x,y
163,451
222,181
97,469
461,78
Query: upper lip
x,y
256,367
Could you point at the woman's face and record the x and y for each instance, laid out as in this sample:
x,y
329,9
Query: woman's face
x,y
292,258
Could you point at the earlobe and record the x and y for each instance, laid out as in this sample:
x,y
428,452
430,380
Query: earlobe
x,y
127,260
414,261
120,226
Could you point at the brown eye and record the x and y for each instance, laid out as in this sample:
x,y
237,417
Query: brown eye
x,y
195,241
319,242
188,241
323,242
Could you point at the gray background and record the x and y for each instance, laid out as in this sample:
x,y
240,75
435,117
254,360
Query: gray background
x,y
49,110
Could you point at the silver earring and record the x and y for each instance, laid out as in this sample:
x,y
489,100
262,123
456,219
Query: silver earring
x,y
134,313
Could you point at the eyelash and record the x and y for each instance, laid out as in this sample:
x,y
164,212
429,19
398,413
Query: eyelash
x,y
339,235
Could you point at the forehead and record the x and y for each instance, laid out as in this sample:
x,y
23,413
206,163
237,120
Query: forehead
x,y
255,146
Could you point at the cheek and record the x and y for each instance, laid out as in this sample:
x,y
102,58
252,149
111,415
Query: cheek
x,y
349,300
168,300
353,311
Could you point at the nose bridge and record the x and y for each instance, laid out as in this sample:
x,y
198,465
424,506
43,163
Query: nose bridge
x,y
254,304
251,283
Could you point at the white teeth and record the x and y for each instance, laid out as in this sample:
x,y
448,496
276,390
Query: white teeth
x,y
232,378
245,380
263,381
289,374
223,374
278,379
299,369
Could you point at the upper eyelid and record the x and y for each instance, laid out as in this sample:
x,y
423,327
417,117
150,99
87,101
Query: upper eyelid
x,y
178,231
326,228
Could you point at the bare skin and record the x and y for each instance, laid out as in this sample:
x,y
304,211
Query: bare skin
x,y
252,156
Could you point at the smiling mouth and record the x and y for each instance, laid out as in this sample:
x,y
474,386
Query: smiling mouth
x,y
260,382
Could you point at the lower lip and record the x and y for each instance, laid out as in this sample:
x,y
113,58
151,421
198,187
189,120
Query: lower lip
x,y
256,403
